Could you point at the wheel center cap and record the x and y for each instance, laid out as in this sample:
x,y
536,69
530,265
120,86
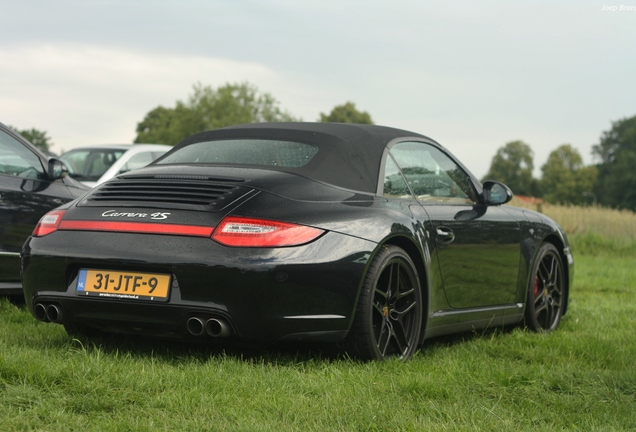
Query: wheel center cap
x,y
385,311
545,292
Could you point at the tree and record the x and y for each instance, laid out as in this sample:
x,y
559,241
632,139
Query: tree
x,y
513,166
346,113
36,137
565,179
207,108
157,127
616,186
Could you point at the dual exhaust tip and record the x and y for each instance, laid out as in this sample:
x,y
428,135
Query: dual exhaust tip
x,y
215,327
48,312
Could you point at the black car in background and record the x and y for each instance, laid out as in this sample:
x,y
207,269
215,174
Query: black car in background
x,y
372,237
31,184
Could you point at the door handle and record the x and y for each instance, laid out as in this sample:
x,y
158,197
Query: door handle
x,y
445,235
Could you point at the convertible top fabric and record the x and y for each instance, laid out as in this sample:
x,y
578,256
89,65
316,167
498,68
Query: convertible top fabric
x,y
349,155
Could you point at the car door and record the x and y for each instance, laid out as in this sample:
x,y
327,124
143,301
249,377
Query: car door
x,y
477,245
26,194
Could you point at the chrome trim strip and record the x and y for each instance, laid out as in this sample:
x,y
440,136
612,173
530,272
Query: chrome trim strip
x,y
443,313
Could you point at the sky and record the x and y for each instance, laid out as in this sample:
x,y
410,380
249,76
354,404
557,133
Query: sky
x,y
473,75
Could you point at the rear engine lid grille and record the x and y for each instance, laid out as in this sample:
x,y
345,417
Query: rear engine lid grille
x,y
168,191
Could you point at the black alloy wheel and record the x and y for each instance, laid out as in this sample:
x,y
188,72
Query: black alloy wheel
x,y
546,291
388,319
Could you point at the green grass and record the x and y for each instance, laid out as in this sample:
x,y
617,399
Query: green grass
x,y
581,377
593,244
610,224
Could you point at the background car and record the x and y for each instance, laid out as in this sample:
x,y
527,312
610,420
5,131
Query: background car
x,y
368,236
94,165
31,184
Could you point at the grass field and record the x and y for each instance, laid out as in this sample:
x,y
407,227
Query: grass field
x,y
609,223
581,377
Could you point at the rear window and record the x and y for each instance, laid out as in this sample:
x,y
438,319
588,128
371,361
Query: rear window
x,y
261,152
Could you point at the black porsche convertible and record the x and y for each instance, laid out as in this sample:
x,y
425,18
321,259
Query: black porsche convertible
x,y
368,236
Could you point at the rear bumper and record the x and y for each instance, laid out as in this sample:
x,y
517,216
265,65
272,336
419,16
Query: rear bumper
x,y
307,292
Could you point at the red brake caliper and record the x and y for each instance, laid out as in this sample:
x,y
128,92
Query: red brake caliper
x,y
536,285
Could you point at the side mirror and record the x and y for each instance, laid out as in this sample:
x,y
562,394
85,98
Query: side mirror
x,y
56,169
496,193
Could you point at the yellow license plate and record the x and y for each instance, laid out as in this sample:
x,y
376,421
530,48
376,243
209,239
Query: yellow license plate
x,y
123,285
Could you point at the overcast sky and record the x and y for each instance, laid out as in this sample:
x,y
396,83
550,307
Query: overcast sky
x,y
473,75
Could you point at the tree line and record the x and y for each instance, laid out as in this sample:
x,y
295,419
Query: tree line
x,y
565,179
208,108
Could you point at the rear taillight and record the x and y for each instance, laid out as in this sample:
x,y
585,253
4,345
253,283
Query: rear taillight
x,y
249,232
137,227
232,231
49,223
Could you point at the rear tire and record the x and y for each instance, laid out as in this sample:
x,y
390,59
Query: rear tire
x,y
388,318
546,290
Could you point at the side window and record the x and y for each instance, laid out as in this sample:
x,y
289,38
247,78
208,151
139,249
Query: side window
x,y
75,160
97,162
394,184
17,160
432,175
139,160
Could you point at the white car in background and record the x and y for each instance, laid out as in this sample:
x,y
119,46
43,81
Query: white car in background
x,y
95,164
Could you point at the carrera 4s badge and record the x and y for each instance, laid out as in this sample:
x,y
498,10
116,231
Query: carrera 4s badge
x,y
155,216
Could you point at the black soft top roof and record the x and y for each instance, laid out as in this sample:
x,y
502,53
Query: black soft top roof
x,y
349,155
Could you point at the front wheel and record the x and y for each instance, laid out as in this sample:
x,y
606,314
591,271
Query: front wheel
x,y
388,318
546,291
